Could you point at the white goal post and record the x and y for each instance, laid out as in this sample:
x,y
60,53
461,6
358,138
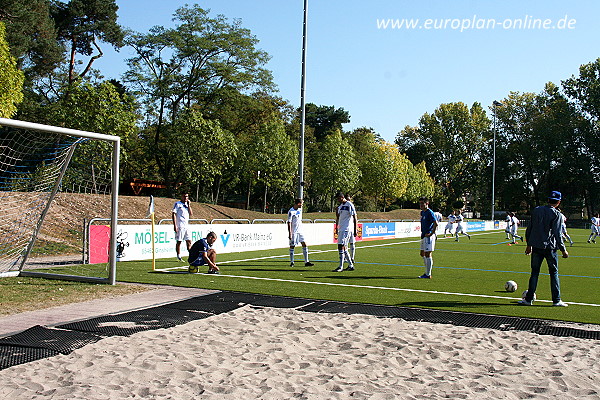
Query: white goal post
x,y
14,257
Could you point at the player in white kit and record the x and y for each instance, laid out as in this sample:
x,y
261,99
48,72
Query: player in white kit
x,y
507,228
346,225
450,224
595,228
182,212
352,241
514,226
460,227
295,234
563,229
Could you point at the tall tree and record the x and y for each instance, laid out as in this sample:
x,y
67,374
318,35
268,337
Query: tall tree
x,y
98,108
533,132
270,151
198,150
450,141
189,65
585,89
334,167
242,113
31,33
325,119
81,24
583,92
420,184
11,79
389,173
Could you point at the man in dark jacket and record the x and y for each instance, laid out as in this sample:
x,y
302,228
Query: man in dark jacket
x,y
543,236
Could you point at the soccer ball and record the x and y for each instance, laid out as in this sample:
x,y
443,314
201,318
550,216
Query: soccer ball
x,y
525,293
193,269
510,286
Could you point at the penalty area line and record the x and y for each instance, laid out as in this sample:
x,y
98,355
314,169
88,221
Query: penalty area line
x,y
387,288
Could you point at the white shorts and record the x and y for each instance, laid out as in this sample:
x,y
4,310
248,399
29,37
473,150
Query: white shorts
x,y
183,233
428,243
513,230
296,239
595,229
448,227
460,229
344,237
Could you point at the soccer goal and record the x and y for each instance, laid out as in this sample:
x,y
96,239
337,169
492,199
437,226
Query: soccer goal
x,y
53,181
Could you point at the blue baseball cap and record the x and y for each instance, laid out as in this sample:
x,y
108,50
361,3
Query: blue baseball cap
x,y
554,195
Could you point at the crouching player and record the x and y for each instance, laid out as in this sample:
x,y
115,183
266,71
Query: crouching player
x,y
202,253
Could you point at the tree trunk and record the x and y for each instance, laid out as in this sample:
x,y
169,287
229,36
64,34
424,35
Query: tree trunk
x,y
265,201
248,194
72,61
218,189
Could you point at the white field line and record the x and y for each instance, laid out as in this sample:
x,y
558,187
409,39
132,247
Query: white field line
x,y
387,288
361,286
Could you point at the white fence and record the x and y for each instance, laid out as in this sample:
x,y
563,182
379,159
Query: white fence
x,y
134,242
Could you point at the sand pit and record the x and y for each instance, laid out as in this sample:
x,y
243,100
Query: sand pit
x,y
271,353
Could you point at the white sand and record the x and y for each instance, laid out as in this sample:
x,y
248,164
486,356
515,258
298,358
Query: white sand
x,y
281,354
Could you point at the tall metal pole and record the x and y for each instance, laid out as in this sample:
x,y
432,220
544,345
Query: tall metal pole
x,y
302,107
495,104
112,271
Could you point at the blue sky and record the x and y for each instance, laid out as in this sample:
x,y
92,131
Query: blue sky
x,y
387,78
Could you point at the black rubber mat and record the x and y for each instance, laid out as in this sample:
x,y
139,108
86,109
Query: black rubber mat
x,y
209,304
40,342
137,321
542,327
17,355
59,340
238,299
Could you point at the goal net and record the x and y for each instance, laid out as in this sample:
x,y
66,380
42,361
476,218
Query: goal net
x,y
53,182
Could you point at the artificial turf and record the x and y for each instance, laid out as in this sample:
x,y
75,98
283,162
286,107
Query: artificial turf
x,y
468,276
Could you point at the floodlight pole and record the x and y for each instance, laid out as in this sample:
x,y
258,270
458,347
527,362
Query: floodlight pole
x,y
302,107
495,105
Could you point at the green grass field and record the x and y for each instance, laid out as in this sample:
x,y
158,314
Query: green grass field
x,y
468,276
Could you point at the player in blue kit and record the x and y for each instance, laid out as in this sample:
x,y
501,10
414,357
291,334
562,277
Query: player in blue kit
x,y
429,224
202,253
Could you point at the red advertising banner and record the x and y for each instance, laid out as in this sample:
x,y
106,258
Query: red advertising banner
x,y
99,245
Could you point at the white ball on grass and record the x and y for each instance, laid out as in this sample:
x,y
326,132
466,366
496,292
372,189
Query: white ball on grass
x,y
510,286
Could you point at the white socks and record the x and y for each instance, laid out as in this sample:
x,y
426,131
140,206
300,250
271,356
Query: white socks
x,y
428,265
342,254
305,253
